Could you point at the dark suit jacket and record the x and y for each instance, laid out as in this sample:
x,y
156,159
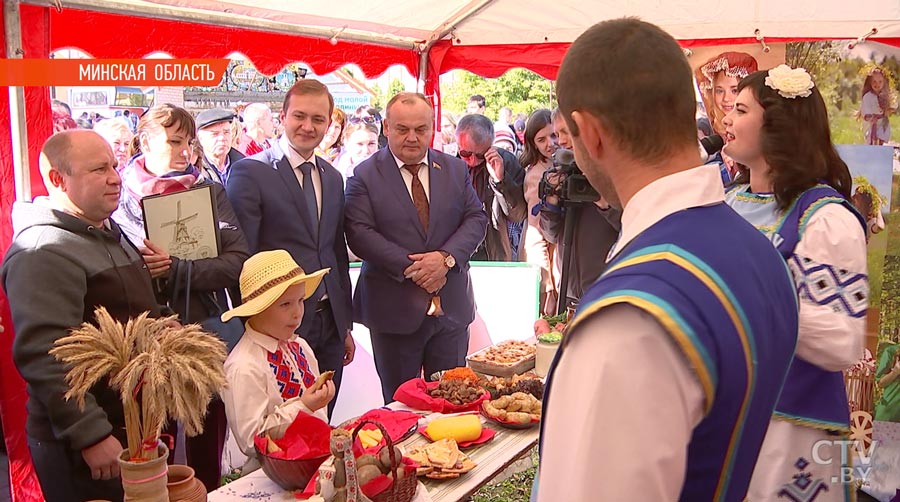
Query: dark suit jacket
x,y
272,212
383,229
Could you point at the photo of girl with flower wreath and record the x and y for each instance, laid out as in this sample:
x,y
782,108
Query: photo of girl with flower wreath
x,y
879,102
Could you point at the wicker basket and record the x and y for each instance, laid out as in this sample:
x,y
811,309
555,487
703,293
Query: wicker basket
x,y
402,490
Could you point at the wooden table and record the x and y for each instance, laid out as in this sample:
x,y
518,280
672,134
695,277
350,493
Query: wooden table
x,y
492,458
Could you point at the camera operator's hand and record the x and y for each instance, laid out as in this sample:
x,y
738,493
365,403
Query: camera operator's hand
x,y
554,179
495,162
601,203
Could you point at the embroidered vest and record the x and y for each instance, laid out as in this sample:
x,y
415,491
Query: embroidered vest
x,y
812,396
736,326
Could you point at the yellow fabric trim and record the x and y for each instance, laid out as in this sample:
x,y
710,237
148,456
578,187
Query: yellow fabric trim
x,y
738,325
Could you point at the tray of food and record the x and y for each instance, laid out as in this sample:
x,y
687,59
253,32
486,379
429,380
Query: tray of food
x,y
515,411
504,359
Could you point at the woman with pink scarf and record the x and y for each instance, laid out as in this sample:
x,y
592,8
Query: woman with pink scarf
x,y
160,164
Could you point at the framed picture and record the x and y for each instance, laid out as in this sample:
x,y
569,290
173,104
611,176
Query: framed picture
x,y
185,223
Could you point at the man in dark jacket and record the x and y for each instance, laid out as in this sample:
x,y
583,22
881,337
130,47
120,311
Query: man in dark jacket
x,y
216,136
498,179
68,258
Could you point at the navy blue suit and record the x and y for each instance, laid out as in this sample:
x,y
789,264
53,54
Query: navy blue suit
x,y
383,228
269,204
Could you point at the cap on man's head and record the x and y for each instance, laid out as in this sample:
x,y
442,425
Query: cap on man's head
x,y
214,116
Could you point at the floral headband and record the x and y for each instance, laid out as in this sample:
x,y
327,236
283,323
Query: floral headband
x,y
710,69
790,82
872,68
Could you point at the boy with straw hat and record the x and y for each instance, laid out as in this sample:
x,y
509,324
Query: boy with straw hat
x,y
272,373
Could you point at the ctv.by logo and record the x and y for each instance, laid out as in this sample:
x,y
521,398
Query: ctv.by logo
x,y
848,474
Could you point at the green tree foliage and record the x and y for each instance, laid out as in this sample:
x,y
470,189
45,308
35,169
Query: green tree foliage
x,y
520,90
382,97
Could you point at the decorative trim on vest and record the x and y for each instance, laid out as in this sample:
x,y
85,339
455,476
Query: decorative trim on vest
x,y
812,423
692,349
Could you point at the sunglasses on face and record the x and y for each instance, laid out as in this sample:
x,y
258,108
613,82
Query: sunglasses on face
x,y
466,154
368,120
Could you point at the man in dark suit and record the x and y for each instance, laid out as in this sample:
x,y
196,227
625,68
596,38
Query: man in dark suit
x,y
287,198
414,219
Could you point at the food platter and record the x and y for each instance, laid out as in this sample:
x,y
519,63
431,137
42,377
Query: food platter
x,y
504,359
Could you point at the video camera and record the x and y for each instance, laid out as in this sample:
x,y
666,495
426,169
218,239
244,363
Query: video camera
x,y
572,186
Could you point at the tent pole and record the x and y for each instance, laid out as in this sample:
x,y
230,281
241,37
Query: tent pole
x,y
220,19
12,27
445,29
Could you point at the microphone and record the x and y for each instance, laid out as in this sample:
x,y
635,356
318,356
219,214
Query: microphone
x,y
563,157
709,146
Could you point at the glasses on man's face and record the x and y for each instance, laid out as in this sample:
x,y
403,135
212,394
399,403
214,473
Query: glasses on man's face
x,y
368,119
466,154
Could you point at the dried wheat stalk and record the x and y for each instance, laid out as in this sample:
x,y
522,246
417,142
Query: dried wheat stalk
x,y
175,371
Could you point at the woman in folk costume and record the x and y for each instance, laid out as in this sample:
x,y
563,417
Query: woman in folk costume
x,y
796,190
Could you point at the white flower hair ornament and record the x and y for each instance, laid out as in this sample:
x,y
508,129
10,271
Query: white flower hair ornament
x,y
790,82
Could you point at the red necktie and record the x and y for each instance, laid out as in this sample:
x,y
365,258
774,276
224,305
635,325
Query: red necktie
x,y
418,194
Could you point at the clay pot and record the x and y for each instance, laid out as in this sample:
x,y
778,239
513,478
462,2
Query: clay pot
x,y
182,485
145,481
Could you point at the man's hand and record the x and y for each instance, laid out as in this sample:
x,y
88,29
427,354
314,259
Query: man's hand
x,y
349,348
494,162
554,179
156,258
427,270
320,398
103,458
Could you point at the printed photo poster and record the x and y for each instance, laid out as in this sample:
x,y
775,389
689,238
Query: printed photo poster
x,y
717,71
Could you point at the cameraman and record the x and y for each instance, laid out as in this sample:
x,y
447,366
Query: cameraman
x,y
596,231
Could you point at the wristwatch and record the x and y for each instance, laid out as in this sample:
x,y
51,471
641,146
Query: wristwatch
x,y
449,260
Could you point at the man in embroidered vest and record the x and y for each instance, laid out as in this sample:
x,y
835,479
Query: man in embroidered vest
x,y
669,373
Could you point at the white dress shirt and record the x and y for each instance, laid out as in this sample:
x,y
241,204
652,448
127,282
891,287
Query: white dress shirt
x,y
625,400
408,177
295,160
253,401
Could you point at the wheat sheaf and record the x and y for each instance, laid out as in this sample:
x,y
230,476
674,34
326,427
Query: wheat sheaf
x,y
158,370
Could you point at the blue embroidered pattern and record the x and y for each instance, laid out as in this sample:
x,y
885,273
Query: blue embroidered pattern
x,y
844,291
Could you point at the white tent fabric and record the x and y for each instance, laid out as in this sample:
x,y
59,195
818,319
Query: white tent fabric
x,y
478,22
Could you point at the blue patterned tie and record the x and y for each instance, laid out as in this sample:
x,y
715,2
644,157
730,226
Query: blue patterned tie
x,y
309,193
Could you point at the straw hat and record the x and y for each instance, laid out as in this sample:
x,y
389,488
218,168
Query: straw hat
x,y
265,277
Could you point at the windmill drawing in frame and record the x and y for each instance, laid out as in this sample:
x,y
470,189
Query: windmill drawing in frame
x,y
184,223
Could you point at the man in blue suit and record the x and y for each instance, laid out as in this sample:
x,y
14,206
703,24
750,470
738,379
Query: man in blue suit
x,y
287,198
415,220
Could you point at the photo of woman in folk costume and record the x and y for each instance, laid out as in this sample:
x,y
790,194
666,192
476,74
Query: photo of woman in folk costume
x,y
718,79
879,102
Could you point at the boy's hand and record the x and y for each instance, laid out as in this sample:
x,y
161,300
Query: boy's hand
x,y
320,398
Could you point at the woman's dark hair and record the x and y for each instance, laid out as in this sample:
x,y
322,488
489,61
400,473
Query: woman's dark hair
x,y
796,143
159,117
538,120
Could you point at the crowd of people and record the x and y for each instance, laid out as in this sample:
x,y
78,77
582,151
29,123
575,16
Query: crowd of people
x,y
713,321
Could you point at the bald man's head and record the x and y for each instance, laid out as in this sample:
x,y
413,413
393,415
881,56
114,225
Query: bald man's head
x,y
79,171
